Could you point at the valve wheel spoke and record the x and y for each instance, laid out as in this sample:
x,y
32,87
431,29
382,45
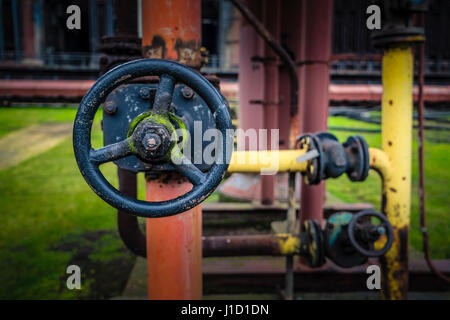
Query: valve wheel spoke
x,y
184,166
359,224
164,93
111,152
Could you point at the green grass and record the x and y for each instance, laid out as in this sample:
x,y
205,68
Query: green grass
x,y
437,175
43,200
18,118
45,203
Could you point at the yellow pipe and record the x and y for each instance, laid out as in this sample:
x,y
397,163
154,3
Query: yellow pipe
x,y
266,162
286,160
379,162
396,122
289,244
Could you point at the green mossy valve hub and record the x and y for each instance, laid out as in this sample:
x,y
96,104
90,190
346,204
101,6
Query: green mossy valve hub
x,y
149,136
154,137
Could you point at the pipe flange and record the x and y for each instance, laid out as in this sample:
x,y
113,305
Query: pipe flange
x,y
312,246
358,157
395,36
315,167
398,26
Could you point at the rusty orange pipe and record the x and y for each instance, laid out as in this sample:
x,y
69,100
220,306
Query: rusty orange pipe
x,y
172,30
174,246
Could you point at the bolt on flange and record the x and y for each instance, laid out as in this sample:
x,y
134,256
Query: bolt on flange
x,y
110,108
187,93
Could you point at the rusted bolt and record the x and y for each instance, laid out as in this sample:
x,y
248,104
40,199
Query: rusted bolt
x,y
110,108
152,142
144,93
187,93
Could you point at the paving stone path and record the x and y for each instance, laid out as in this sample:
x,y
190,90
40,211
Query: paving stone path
x,y
31,141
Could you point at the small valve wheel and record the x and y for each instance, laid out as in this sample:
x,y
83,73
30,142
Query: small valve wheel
x,y
363,233
150,136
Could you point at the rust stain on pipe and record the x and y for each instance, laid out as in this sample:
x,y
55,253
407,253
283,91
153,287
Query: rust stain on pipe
x,y
251,245
172,31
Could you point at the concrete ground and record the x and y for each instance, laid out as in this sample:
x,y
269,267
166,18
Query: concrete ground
x,y
136,289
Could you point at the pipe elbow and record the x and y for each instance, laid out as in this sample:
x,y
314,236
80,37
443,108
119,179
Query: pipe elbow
x,y
379,161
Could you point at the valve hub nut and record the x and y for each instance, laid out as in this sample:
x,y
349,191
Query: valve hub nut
x,y
152,141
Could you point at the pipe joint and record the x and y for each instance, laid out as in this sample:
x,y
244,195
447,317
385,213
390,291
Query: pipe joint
x,y
334,158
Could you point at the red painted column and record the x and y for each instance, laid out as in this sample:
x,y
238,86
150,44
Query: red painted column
x,y
291,34
272,15
172,30
315,53
29,51
306,28
251,75
258,83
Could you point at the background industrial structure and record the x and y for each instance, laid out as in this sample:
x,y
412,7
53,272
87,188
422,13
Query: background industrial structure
x,y
337,65
31,37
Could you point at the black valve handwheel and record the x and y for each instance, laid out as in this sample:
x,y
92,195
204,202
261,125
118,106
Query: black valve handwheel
x,y
88,159
359,230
